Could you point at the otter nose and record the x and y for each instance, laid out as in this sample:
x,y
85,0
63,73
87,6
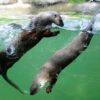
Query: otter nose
x,y
34,88
61,23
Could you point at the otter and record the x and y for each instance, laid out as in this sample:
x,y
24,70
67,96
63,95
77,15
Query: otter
x,y
44,20
28,38
61,59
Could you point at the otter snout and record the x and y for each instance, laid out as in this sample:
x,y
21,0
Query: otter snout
x,y
34,89
59,21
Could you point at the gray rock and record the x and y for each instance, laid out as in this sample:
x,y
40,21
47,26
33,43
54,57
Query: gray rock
x,y
42,3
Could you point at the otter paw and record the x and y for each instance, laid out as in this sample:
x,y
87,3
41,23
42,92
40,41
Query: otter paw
x,y
48,89
56,33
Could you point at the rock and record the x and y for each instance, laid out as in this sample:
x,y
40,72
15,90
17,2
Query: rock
x,y
42,3
49,1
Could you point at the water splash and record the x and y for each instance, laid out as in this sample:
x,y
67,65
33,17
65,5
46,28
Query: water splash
x,y
80,24
8,34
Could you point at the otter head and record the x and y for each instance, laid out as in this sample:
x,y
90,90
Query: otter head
x,y
44,20
34,88
56,18
52,17
37,84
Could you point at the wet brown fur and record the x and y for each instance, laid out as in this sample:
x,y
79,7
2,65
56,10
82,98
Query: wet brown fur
x,y
62,59
23,44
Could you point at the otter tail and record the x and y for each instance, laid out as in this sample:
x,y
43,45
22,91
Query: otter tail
x,y
11,83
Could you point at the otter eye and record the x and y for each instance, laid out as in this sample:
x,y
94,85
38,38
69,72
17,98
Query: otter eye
x,y
55,15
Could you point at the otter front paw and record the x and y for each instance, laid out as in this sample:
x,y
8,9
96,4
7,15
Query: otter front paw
x,y
49,89
56,33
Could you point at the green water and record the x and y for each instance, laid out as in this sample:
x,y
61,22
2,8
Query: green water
x,y
79,81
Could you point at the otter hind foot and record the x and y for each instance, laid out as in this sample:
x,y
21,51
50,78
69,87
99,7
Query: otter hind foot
x,y
56,33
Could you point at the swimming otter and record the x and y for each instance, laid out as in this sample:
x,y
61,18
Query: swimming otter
x,y
27,39
61,59
44,20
